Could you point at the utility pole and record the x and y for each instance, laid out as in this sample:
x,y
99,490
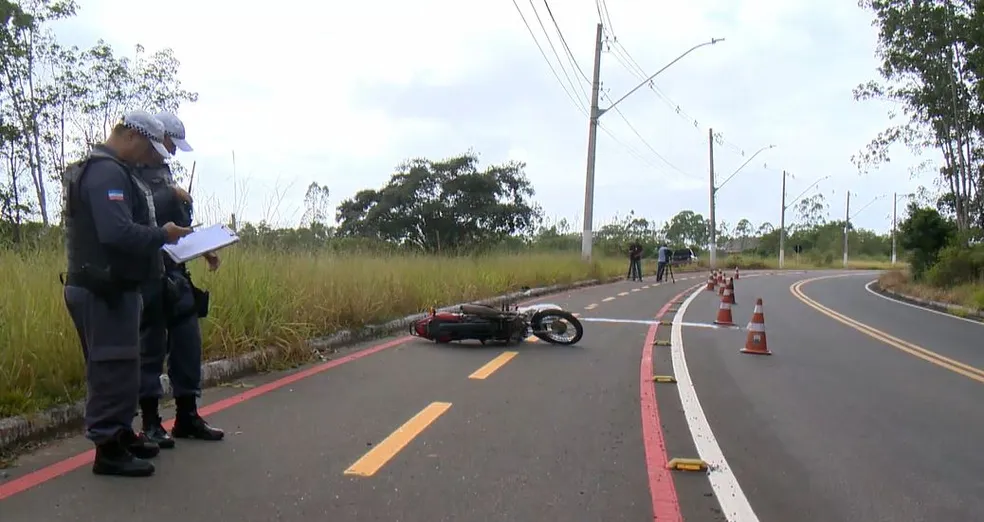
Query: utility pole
x,y
712,246
592,142
782,224
847,224
895,201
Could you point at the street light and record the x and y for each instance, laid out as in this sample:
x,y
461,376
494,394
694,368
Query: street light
x,y
763,149
782,215
596,113
713,231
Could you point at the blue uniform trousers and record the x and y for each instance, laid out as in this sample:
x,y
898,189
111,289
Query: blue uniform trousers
x,y
110,339
169,330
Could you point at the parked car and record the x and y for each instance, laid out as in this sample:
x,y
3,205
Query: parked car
x,y
683,256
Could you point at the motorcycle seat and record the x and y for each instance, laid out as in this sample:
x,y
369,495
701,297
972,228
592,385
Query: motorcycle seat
x,y
480,310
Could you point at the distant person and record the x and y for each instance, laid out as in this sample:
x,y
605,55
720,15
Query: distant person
x,y
169,327
635,261
113,246
663,257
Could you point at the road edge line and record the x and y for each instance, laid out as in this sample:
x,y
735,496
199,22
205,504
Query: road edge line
x,y
734,504
867,287
662,490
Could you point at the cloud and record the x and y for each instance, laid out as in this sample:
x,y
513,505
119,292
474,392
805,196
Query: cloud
x,y
341,93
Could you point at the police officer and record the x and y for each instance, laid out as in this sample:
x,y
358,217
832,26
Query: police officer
x,y
113,246
172,308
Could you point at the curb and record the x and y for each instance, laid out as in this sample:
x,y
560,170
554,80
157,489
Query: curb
x,y
16,431
968,313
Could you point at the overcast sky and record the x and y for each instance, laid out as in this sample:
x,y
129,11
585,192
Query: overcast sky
x,y
341,92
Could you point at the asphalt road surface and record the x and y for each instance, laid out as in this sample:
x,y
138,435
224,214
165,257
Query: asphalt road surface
x,y
865,411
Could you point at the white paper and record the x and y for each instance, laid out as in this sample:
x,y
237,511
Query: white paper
x,y
200,242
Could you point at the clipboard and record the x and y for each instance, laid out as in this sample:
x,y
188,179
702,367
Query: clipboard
x,y
201,242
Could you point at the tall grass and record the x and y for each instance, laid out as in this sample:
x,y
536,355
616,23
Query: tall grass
x,y
259,298
264,298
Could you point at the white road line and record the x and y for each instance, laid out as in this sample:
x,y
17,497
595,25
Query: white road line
x,y
607,299
733,502
917,307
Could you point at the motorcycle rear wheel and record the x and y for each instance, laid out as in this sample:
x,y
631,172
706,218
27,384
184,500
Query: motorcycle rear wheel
x,y
553,326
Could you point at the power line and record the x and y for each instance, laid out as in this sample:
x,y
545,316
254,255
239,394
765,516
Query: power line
x,y
577,67
554,49
574,99
646,143
570,55
624,58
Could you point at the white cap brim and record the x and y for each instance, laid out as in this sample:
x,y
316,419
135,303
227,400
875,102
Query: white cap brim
x,y
181,144
161,149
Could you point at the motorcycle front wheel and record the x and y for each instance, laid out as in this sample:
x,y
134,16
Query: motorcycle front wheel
x,y
557,327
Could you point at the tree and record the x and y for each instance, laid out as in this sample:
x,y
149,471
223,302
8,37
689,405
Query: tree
x,y
932,66
687,229
56,101
315,205
743,229
812,211
444,205
923,233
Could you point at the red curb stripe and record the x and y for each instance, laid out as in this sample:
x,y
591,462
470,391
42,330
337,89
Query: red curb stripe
x,y
58,469
666,505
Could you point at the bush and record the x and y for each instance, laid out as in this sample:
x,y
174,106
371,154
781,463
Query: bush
x,y
957,265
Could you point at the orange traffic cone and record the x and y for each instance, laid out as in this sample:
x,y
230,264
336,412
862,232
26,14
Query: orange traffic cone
x,y
710,283
724,314
723,284
755,341
736,273
730,292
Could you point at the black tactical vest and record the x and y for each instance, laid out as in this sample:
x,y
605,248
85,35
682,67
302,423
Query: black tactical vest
x,y
167,205
82,244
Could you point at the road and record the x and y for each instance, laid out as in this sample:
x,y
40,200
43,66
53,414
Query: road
x,y
867,410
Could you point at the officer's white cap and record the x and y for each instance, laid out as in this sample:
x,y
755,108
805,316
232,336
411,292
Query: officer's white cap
x,y
149,127
175,129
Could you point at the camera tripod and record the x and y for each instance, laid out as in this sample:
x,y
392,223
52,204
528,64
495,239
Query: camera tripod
x,y
669,271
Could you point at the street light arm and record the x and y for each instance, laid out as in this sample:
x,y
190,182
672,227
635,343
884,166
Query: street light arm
x,y
864,207
763,149
667,66
815,183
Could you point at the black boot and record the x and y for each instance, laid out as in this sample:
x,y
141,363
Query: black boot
x,y
139,445
189,425
113,458
152,423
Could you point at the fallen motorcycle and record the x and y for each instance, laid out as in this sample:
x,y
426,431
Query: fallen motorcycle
x,y
507,325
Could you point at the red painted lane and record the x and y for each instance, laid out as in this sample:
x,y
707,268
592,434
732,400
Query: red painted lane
x,y
666,505
58,469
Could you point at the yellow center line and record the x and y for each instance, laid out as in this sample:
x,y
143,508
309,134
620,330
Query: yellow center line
x,y
493,365
927,355
532,339
605,300
377,457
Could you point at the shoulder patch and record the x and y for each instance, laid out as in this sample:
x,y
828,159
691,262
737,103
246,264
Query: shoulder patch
x,y
115,195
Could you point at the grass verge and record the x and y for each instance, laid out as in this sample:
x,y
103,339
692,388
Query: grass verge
x,y
265,298
969,295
